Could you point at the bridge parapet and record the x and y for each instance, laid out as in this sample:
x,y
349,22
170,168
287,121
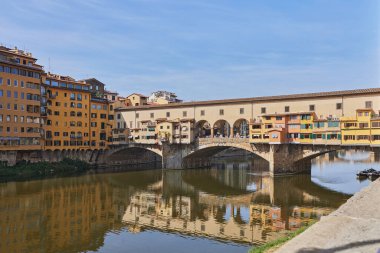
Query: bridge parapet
x,y
222,140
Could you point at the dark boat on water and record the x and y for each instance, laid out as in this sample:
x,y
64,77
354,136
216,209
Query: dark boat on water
x,y
371,173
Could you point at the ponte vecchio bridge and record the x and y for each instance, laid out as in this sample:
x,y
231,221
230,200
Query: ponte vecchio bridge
x,y
286,131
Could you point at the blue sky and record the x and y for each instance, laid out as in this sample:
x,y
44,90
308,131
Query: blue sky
x,y
203,49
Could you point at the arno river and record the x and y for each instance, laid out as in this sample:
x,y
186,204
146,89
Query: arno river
x,y
227,208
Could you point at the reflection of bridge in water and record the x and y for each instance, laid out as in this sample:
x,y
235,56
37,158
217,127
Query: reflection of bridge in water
x,y
216,203
74,214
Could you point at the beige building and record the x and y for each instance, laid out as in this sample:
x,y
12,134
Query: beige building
x,y
230,117
137,99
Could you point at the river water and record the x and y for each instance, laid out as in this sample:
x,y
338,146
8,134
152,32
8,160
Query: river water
x,y
227,208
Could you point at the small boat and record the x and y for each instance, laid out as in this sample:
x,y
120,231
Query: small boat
x,y
371,173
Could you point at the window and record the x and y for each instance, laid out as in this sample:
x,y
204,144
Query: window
x,y
312,108
15,83
368,104
119,116
1,80
286,109
338,106
167,114
72,96
184,114
202,112
241,110
137,115
263,110
15,94
151,115
221,112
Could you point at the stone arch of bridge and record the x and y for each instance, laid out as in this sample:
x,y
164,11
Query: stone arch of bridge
x,y
131,148
212,148
308,156
131,155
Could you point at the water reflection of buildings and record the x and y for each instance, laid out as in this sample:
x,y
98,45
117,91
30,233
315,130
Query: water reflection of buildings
x,y
56,217
348,156
230,204
233,218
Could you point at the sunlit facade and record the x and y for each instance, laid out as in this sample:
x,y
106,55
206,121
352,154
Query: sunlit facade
x,y
20,121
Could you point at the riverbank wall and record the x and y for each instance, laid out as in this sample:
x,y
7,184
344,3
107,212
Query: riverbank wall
x,y
354,227
12,157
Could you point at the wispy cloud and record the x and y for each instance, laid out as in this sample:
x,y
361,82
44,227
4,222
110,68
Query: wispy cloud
x,y
202,49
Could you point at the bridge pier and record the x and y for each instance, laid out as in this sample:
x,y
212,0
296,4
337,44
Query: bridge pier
x,y
291,159
173,155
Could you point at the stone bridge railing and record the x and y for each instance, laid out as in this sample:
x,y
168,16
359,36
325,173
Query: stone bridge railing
x,y
222,140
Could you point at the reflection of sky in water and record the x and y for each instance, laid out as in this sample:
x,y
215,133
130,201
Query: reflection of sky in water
x,y
251,187
154,241
341,175
228,212
354,156
244,213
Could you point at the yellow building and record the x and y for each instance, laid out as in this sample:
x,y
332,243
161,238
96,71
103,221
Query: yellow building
x,y
67,113
307,127
356,130
375,130
20,121
101,123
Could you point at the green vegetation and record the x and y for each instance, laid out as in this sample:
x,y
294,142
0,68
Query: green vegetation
x,y
277,243
26,171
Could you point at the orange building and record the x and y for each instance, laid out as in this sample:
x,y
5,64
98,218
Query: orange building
x,y
67,113
20,121
101,123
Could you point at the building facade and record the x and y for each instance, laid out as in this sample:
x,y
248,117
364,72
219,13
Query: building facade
x,y
313,118
20,121
67,113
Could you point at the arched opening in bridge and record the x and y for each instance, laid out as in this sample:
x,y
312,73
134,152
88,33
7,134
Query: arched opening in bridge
x,y
222,128
203,129
135,157
241,128
225,156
